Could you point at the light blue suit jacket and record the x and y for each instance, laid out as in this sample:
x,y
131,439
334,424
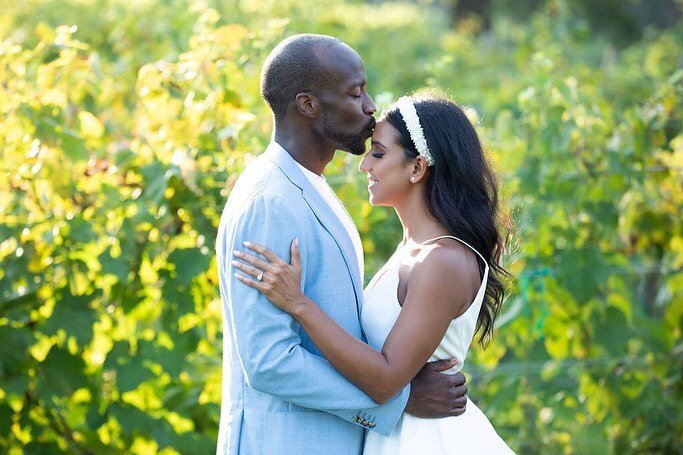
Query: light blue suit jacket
x,y
280,395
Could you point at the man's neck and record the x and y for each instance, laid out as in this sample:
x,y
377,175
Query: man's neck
x,y
308,152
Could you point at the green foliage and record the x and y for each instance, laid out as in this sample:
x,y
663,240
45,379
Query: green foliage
x,y
123,127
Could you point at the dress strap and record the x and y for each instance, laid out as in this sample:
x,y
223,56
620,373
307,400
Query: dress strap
x,y
461,241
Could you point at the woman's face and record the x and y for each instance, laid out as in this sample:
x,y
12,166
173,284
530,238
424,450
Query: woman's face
x,y
386,168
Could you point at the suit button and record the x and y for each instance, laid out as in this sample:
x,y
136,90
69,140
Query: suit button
x,y
372,424
365,423
356,419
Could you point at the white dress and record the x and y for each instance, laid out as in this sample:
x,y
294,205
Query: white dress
x,y
469,433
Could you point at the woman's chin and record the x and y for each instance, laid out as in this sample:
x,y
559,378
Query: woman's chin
x,y
375,201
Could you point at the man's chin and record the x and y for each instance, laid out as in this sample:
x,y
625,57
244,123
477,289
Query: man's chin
x,y
353,144
359,148
358,151
354,149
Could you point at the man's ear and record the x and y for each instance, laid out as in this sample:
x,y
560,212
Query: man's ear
x,y
308,105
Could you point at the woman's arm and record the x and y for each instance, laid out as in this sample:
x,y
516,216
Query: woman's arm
x,y
437,292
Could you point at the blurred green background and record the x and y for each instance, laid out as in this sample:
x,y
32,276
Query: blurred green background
x,y
123,126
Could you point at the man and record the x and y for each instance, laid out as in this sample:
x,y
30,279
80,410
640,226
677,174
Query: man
x,y
279,394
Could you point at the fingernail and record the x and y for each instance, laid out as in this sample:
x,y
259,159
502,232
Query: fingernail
x,y
247,244
237,253
296,241
235,263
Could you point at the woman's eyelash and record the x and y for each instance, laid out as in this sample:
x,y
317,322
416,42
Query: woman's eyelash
x,y
378,155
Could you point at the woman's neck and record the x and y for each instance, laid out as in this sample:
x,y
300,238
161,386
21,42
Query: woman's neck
x,y
418,224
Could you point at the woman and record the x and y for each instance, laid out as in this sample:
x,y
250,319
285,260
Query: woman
x,y
438,289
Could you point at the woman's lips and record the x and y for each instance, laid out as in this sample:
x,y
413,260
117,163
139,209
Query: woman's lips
x,y
372,183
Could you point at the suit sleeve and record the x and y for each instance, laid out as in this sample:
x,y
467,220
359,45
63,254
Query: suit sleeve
x,y
267,339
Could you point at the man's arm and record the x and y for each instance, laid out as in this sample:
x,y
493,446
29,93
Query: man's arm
x,y
267,339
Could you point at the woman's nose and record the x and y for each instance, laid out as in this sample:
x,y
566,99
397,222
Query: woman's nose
x,y
363,166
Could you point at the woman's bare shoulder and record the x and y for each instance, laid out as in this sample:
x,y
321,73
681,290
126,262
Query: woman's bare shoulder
x,y
447,271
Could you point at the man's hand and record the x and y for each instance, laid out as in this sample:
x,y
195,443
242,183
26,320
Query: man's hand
x,y
434,394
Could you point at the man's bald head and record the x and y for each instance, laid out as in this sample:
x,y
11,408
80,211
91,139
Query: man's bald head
x,y
293,67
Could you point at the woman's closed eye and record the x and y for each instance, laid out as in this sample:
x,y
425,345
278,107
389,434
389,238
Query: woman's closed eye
x,y
376,151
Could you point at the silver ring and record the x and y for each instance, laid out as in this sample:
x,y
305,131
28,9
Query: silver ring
x,y
260,276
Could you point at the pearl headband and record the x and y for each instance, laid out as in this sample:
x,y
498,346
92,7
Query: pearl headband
x,y
409,113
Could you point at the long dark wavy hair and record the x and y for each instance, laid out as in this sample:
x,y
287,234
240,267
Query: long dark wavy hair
x,y
462,192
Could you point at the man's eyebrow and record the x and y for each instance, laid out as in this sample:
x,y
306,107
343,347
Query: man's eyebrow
x,y
358,83
378,143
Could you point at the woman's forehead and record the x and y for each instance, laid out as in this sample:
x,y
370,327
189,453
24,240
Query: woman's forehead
x,y
384,132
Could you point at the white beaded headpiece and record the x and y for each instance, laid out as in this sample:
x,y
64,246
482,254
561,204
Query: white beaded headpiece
x,y
409,113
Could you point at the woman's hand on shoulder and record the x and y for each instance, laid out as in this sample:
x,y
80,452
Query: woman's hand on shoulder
x,y
273,277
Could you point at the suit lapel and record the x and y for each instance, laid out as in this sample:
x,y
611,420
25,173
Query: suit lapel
x,y
323,213
331,222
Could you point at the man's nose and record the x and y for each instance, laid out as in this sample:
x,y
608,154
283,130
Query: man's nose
x,y
369,106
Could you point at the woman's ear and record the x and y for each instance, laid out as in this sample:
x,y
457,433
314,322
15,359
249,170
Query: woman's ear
x,y
308,105
419,169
